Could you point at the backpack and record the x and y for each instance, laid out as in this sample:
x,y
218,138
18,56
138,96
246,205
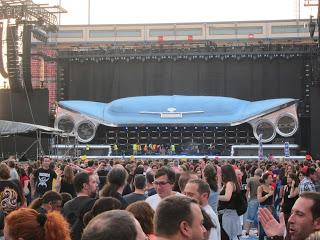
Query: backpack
x,y
242,203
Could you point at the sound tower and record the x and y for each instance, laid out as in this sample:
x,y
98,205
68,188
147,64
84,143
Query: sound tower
x,y
26,57
12,58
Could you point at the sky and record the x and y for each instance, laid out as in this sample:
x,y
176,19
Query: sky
x,y
177,11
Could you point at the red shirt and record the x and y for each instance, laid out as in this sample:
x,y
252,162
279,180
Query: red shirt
x,y
23,179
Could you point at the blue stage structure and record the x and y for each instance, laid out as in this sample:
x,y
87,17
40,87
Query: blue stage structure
x,y
194,125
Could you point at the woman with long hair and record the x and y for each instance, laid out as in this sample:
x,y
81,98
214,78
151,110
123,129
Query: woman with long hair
x,y
228,203
210,176
26,223
66,184
265,194
290,195
116,181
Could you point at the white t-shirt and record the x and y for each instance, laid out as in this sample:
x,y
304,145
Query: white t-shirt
x,y
215,233
154,200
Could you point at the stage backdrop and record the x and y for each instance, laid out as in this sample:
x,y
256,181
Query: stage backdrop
x,y
245,79
250,80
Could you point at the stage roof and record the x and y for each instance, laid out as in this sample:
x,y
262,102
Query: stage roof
x,y
10,127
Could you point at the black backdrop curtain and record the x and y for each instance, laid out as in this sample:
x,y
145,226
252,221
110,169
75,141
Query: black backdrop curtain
x,y
245,79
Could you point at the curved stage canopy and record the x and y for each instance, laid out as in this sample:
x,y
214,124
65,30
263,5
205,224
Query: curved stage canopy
x,y
176,110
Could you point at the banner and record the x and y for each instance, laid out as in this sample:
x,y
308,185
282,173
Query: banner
x,y
286,150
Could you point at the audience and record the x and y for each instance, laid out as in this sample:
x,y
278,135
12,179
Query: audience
x,y
155,210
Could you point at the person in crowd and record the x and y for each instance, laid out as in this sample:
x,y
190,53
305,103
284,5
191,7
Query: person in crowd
x,y
102,173
144,214
50,201
10,193
265,197
65,198
150,190
66,184
85,185
253,204
176,168
207,223
228,203
90,167
13,171
116,181
25,183
300,177
164,181
114,225
290,195
179,218
139,186
184,179
304,219
26,223
176,187
43,178
200,191
313,176
306,184
210,176
103,204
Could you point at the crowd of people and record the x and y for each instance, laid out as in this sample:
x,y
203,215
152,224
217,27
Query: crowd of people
x,y
159,199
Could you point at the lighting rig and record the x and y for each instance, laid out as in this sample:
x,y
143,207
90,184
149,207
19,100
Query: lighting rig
x,y
19,19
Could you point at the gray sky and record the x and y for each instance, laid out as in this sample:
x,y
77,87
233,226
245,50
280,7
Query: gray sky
x,y
171,11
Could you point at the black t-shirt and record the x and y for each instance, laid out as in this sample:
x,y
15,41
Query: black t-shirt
x,y
134,197
118,196
67,188
10,196
74,210
43,180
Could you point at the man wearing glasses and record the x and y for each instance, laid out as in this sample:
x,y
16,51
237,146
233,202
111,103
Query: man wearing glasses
x,y
163,184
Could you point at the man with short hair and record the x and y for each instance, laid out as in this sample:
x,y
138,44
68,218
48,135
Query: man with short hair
x,y
179,218
306,185
74,210
200,191
138,194
114,225
304,219
184,178
164,181
43,178
150,190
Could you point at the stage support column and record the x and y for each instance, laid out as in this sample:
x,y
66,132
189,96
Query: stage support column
x,y
315,119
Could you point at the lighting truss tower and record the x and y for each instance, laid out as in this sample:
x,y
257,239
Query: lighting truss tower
x,y
314,3
19,19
